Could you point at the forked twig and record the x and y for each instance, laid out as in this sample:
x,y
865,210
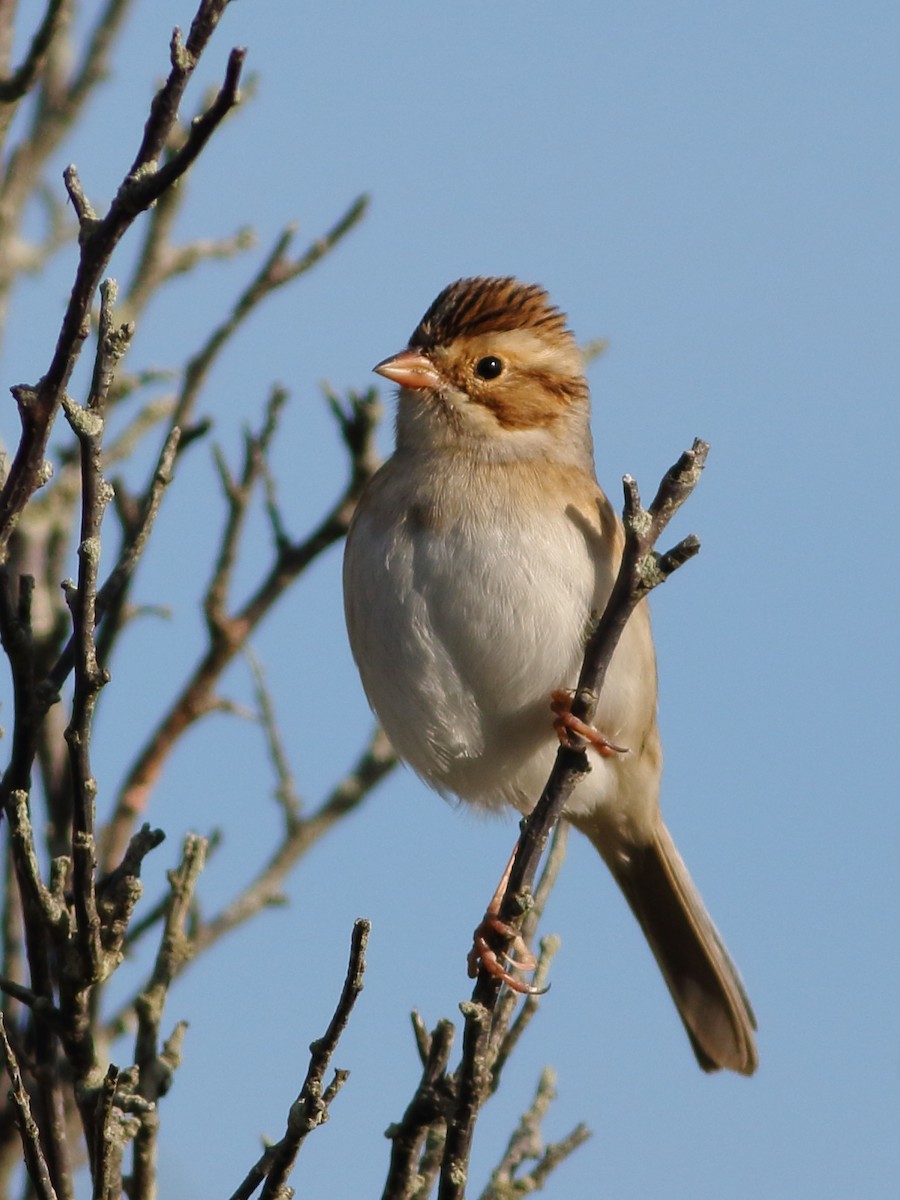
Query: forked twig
x,y
310,1109
642,569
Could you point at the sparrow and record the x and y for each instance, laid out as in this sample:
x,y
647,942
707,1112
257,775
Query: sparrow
x,y
479,558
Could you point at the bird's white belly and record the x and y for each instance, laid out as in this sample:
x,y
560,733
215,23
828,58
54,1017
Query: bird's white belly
x,y
466,633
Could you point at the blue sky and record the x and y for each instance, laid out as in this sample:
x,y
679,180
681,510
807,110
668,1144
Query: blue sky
x,y
714,188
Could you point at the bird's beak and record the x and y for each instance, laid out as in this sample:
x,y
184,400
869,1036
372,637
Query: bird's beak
x,y
409,369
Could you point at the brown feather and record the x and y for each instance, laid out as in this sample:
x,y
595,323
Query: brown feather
x,y
698,970
479,305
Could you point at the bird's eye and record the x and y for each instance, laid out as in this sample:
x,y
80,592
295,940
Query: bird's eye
x,y
489,368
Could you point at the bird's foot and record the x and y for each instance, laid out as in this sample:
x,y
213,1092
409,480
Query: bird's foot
x,y
566,725
517,954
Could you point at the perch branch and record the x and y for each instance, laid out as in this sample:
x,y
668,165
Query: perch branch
x,y
642,568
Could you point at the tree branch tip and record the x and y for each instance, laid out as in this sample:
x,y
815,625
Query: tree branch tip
x,y
474,1010
193,433
550,944
178,57
84,422
24,395
632,495
87,217
671,560
235,65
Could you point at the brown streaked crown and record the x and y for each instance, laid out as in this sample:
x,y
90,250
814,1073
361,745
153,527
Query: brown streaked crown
x,y
485,305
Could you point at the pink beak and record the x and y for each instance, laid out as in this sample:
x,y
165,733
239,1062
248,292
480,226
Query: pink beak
x,y
409,369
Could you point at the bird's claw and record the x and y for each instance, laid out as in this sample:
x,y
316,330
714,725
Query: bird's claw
x,y
566,725
483,955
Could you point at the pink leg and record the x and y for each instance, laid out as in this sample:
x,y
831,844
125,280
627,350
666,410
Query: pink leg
x,y
483,955
565,725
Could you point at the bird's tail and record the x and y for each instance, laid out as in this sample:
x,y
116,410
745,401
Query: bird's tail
x,y
698,970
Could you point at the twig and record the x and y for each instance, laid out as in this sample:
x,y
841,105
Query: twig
x,y
508,1026
228,633
45,919
13,87
527,1144
106,1151
142,186
155,1069
427,1110
422,1131
373,764
641,569
277,270
61,95
111,596
12,964
286,789
310,1109
35,1163
45,1010
87,424
17,639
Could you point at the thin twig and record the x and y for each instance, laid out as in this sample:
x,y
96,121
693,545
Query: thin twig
x,y
155,1068
427,1109
13,87
286,789
87,424
310,1109
106,1152
277,270
35,1163
376,760
111,596
229,633
142,186
641,569
527,1144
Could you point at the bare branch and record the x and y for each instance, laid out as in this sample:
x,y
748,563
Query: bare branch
x,y
143,185
13,87
277,270
228,634
87,424
526,1144
426,1111
110,598
286,789
310,1109
35,1163
155,1068
106,1152
641,569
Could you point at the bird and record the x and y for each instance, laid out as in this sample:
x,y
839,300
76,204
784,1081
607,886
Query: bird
x,y
480,556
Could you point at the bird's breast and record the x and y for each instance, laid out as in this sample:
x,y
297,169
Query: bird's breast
x,y
466,607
